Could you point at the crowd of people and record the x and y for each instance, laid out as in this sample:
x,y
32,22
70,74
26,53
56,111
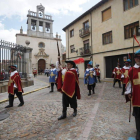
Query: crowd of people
x,y
67,82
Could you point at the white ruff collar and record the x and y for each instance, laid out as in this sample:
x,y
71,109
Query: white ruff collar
x,y
136,66
53,69
118,68
72,69
12,73
127,68
89,69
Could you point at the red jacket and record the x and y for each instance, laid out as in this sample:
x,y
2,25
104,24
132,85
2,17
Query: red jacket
x,y
117,73
14,79
70,84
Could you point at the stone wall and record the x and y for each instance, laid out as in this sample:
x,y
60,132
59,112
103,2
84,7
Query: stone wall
x,y
4,84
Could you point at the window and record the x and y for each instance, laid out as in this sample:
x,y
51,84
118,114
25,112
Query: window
x,y
41,45
129,30
72,33
106,14
72,48
86,47
129,4
86,25
107,38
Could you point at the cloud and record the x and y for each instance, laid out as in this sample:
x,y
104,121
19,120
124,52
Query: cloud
x,y
9,8
8,35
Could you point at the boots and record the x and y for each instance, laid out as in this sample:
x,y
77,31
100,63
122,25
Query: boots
x,y
138,128
11,100
51,88
93,91
64,114
114,84
75,112
20,97
89,93
120,84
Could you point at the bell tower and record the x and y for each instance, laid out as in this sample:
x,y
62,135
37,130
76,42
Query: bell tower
x,y
39,24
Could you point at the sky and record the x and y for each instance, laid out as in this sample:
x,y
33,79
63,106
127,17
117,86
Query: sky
x,y
13,15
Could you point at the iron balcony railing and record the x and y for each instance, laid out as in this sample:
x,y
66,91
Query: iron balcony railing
x,y
85,50
84,32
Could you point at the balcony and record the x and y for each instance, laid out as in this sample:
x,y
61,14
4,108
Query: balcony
x,y
84,32
85,51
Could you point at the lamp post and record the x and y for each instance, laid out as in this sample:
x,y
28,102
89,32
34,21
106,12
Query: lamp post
x,y
76,51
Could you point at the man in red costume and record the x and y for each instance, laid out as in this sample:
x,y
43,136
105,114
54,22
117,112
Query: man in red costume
x,y
98,72
69,86
15,87
133,91
117,75
35,72
124,72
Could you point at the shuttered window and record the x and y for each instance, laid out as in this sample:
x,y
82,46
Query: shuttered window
x,y
129,4
106,14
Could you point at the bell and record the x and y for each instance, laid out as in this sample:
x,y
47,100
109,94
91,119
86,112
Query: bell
x,y
33,28
40,14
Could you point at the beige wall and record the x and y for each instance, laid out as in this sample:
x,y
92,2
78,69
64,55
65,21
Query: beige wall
x,y
76,40
116,24
50,49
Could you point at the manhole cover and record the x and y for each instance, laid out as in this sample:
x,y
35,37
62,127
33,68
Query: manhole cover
x,y
4,115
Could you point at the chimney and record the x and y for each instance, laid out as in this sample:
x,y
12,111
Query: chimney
x,y
21,30
59,36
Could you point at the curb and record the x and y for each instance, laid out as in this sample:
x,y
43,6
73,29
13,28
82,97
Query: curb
x,y
26,93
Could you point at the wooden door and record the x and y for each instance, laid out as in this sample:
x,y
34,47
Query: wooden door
x,y
41,65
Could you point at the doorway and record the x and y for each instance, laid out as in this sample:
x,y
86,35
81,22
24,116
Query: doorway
x,y
41,65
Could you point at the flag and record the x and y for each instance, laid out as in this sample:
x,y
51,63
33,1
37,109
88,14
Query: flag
x,y
79,61
136,40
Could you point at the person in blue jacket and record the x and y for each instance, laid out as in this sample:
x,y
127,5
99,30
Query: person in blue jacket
x,y
90,78
53,75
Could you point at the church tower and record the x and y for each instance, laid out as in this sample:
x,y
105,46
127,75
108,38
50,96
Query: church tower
x,y
39,24
40,36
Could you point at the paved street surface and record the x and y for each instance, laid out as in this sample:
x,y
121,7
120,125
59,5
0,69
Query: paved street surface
x,y
103,116
39,82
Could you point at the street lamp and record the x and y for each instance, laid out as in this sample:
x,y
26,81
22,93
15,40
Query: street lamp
x,y
76,51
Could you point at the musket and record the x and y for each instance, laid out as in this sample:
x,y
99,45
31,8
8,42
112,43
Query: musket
x,y
58,53
131,80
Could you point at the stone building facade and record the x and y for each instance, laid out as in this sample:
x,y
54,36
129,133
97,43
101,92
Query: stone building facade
x,y
106,32
40,36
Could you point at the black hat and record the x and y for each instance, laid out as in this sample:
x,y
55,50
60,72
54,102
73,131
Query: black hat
x,y
71,62
13,67
137,54
119,64
52,65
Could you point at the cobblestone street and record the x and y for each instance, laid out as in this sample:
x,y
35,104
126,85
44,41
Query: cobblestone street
x,y
103,116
